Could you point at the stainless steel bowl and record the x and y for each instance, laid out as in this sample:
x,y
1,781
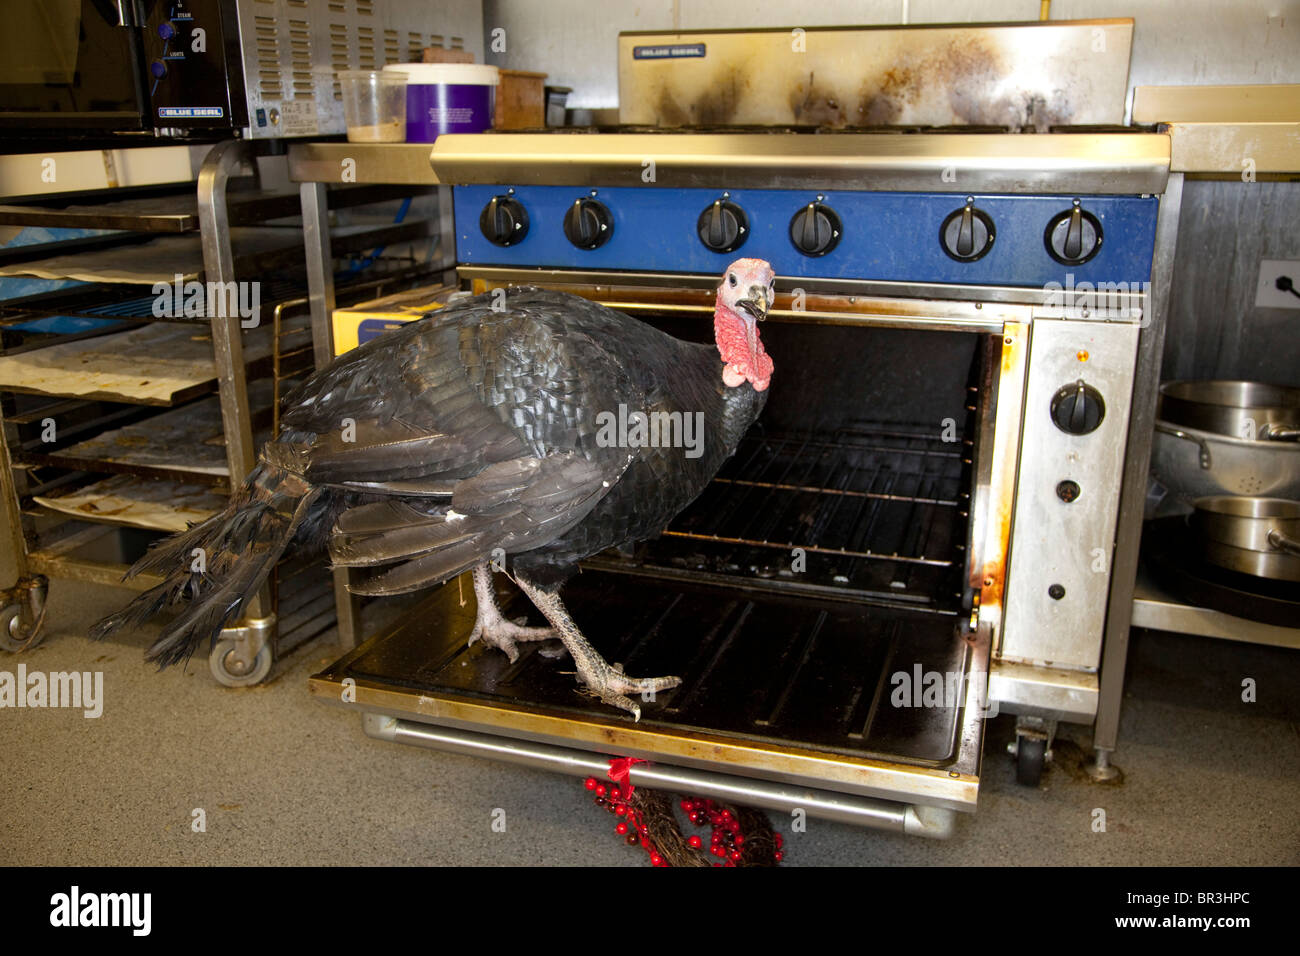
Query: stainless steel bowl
x,y
1248,410
1197,464
1259,536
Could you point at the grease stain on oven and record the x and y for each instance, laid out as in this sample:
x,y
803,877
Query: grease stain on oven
x,y
963,72
813,105
717,105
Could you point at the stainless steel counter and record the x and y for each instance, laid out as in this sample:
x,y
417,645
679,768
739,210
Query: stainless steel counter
x,y
343,162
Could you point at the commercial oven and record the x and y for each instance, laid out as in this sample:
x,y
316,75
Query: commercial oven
x,y
921,530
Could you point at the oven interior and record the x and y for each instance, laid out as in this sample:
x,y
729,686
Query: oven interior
x,y
863,460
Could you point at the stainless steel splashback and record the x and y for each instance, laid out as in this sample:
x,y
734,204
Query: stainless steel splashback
x,y
1018,75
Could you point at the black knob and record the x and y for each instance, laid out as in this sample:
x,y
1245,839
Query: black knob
x,y
1078,409
967,233
1073,237
588,223
815,229
723,227
1056,592
504,221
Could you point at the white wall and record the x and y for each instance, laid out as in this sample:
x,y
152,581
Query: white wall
x,y
28,174
1175,41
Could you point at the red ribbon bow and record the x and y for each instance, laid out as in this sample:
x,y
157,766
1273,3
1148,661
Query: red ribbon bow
x,y
620,768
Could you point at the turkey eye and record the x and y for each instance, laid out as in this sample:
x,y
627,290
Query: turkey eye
x,y
731,280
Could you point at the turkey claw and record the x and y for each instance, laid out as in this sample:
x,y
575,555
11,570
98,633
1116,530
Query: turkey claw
x,y
503,635
616,686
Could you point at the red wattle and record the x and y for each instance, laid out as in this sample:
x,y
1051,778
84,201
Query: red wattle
x,y
742,361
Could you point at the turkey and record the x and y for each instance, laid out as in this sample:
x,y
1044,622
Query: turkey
x,y
482,430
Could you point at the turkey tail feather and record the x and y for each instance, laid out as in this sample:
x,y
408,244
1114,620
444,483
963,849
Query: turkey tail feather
x,y
218,565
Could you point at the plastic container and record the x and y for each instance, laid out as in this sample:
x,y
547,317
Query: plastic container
x,y
557,97
446,98
374,106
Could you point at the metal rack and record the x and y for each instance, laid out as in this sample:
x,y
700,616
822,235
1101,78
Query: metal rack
x,y
153,415
316,166
873,513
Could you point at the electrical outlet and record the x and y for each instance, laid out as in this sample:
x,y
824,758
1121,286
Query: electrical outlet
x,y
1267,294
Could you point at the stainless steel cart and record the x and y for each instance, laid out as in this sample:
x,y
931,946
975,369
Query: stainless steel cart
x,y
112,431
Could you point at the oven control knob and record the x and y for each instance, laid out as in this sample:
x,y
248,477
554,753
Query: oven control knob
x,y
967,233
1073,237
723,227
588,224
1078,409
815,229
504,221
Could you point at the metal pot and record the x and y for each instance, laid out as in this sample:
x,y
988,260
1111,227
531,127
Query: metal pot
x,y
1259,536
1196,464
1247,410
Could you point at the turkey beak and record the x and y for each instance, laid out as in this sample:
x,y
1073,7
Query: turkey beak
x,y
756,305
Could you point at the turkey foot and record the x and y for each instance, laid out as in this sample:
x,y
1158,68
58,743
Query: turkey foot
x,y
491,626
604,680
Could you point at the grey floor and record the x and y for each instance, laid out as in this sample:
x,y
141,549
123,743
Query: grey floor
x,y
283,779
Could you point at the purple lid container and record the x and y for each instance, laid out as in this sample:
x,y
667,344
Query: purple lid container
x,y
447,98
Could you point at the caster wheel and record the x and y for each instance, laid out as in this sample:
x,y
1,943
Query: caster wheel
x,y
226,670
12,637
1029,760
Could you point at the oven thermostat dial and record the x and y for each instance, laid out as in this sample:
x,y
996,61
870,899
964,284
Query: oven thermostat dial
x,y
723,226
816,229
1073,237
967,233
1078,409
588,223
504,221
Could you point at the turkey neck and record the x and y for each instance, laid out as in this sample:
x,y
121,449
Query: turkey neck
x,y
741,405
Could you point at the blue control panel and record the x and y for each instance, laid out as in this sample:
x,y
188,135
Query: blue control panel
x,y
890,236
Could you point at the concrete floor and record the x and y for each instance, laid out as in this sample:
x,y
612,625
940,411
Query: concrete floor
x,y
1209,780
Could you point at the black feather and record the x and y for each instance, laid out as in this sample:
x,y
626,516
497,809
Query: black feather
x,y
472,429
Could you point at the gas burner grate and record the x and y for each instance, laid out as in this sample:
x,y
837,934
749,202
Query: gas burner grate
x,y
877,513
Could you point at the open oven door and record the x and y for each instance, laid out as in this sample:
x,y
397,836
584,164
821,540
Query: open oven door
x,y
866,715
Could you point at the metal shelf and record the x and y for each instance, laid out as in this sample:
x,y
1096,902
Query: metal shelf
x,y
178,211
1156,609
388,163
184,444
257,250
154,364
153,505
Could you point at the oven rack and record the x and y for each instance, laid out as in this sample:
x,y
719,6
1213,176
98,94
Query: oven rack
x,y
872,512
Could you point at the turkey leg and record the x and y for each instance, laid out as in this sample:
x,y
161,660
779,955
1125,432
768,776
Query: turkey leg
x,y
606,681
491,626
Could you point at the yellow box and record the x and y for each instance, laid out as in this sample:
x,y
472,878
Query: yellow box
x,y
362,322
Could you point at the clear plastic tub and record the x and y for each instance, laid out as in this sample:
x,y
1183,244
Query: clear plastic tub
x,y
374,106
